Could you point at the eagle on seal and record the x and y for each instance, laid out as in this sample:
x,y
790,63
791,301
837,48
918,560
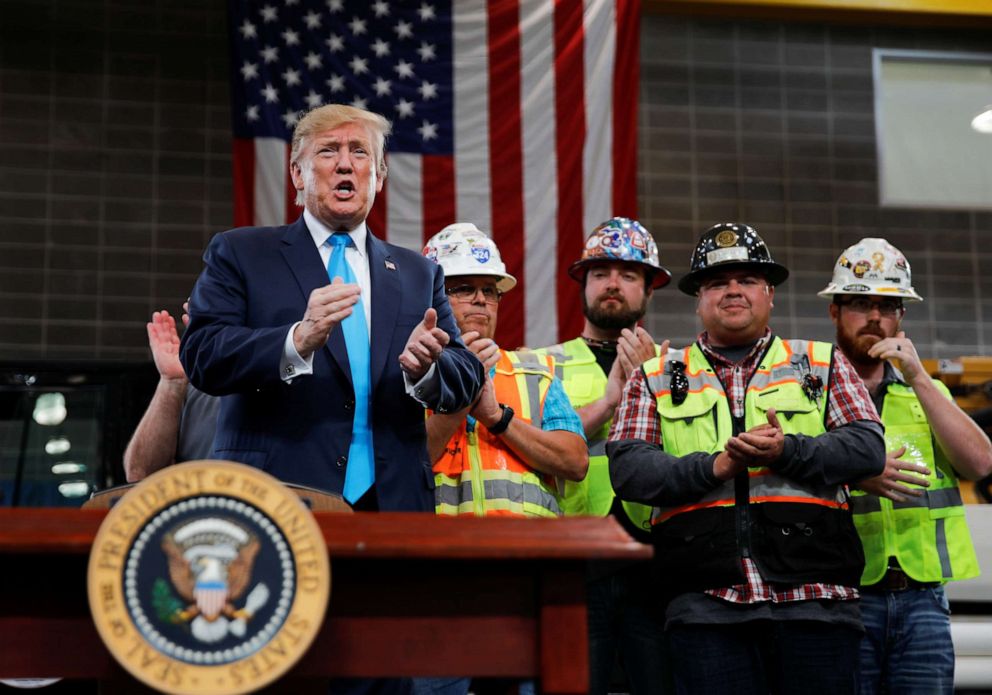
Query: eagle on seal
x,y
210,565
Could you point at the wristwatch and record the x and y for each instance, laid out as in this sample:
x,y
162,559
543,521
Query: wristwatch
x,y
504,422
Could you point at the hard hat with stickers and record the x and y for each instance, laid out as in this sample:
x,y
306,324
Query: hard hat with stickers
x,y
462,249
625,240
727,246
872,266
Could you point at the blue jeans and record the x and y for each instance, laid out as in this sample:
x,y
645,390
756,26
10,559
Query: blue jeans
x,y
765,656
907,644
625,620
456,686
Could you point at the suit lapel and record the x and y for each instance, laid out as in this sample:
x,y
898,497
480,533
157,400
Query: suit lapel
x,y
384,276
304,261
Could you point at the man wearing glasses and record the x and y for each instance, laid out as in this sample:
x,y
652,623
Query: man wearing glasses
x,y
743,442
910,518
505,454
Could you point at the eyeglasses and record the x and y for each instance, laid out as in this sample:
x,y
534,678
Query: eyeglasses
x,y
466,293
886,307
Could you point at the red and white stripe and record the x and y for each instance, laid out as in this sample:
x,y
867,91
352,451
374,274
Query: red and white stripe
x,y
545,132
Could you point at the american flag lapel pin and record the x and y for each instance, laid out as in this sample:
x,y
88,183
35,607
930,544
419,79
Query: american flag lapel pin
x,y
390,265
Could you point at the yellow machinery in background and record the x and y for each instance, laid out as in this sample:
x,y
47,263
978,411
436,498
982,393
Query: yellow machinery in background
x,y
970,382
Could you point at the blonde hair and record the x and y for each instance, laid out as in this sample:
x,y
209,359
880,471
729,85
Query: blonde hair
x,y
331,116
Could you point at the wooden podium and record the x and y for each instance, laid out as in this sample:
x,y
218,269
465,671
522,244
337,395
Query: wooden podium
x,y
411,595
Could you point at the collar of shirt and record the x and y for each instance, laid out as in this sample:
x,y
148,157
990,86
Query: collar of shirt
x,y
356,257
891,375
712,354
320,233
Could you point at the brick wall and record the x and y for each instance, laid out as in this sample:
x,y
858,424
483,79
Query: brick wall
x,y
115,168
772,124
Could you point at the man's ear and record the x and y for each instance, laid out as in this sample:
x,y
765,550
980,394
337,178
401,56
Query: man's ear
x,y
296,172
834,313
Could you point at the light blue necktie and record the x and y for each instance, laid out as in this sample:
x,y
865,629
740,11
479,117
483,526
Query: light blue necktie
x,y
360,473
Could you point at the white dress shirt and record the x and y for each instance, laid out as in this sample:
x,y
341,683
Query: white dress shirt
x,y
292,365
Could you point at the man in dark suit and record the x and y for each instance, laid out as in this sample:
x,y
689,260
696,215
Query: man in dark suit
x,y
269,328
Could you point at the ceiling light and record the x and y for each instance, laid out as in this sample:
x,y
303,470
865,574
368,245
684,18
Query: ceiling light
x,y
77,488
68,468
983,121
57,445
49,409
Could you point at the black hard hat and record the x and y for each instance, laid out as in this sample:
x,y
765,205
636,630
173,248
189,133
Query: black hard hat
x,y
730,245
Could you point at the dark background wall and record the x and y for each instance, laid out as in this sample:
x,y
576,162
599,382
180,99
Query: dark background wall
x,y
772,123
115,168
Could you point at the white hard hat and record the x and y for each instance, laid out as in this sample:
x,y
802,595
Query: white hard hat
x,y
872,266
461,249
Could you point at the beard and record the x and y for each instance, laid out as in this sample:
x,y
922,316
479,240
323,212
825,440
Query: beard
x,y
613,319
855,347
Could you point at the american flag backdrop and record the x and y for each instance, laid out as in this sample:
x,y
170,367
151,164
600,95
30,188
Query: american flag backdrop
x,y
517,115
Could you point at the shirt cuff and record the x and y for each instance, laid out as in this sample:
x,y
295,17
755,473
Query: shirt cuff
x,y
427,390
292,365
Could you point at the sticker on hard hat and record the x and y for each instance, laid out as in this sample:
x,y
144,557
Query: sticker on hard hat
x,y
860,268
735,253
612,240
726,238
480,253
855,288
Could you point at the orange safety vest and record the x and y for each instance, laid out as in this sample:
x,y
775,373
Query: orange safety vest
x,y
478,473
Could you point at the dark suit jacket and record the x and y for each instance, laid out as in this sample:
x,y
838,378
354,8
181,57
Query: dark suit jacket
x,y
255,286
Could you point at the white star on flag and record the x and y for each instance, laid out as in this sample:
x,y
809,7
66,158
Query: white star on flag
x,y
405,108
427,90
313,60
359,66
426,51
380,48
404,30
313,99
428,130
382,87
357,26
312,20
249,70
404,69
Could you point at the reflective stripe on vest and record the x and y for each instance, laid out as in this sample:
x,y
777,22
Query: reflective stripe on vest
x,y
703,422
928,535
478,473
585,382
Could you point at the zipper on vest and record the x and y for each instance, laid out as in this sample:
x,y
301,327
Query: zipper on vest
x,y
478,484
742,495
742,501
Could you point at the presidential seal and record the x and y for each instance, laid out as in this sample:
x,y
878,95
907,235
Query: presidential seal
x,y
208,577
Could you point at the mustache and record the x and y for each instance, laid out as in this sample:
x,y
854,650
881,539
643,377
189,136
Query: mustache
x,y
872,329
610,295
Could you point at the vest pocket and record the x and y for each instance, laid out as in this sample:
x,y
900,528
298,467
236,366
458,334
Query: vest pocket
x,y
697,550
806,543
692,426
795,415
